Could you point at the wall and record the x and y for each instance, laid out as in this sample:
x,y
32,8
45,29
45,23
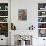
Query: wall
x,y
32,14
31,7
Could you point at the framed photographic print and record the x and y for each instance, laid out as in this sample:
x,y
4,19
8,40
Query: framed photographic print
x,y
22,14
3,13
3,6
3,19
42,32
4,29
41,6
41,19
41,25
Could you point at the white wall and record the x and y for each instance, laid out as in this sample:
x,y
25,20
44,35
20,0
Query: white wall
x,y
32,14
31,7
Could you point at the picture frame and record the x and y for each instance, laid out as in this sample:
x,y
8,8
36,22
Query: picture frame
x,y
22,14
